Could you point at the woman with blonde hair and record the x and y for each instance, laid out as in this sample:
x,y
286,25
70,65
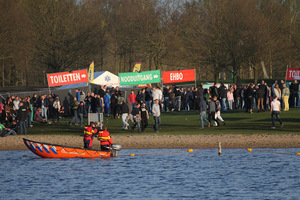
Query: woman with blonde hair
x,y
277,92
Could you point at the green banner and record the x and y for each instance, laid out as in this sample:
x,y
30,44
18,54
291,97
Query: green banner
x,y
135,78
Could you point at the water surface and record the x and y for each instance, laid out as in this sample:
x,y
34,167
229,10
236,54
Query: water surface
x,y
202,174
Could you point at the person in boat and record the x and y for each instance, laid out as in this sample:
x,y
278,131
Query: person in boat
x,y
88,135
105,139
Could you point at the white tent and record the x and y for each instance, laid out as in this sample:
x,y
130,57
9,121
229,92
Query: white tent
x,y
106,78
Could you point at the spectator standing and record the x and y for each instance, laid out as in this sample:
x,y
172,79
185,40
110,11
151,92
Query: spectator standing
x,y
88,101
144,117
275,112
294,90
118,92
277,92
178,99
237,96
285,97
101,91
260,95
107,102
56,108
51,100
125,112
189,99
113,105
82,95
22,118
223,96
250,98
136,113
166,97
34,102
74,105
148,100
29,112
16,104
143,95
77,95
230,98
156,116
93,102
213,90
81,112
203,108
44,105
132,99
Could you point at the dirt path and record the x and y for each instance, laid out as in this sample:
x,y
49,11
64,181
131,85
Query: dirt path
x,y
164,141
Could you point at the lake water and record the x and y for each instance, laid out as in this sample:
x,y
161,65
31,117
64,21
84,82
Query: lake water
x,y
202,174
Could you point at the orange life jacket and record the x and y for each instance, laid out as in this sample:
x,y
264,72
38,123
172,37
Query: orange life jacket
x,y
105,138
88,132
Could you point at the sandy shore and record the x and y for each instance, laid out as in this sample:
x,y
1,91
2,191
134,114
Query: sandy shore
x,y
164,141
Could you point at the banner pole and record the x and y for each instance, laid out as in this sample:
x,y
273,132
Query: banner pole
x,y
286,72
48,84
195,79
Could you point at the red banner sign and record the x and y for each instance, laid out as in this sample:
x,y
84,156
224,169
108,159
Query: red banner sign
x,y
293,74
66,78
179,76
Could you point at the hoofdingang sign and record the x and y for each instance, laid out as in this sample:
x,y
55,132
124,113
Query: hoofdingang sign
x,y
135,78
66,78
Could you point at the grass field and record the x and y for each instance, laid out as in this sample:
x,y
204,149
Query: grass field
x,y
175,123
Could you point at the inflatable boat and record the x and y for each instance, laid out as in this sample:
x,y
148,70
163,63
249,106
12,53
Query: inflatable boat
x,y
46,150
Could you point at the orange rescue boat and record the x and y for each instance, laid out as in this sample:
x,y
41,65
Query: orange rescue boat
x,y
46,150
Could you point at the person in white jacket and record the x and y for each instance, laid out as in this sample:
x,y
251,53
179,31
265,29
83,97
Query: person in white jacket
x,y
156,115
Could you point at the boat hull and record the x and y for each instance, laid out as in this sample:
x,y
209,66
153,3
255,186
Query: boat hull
x,y
46,150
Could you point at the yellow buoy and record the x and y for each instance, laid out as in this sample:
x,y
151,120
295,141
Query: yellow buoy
x,y
132,154
190,150
249,149
298,154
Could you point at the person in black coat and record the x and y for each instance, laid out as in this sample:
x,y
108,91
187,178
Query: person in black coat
x,y
260,96
22,118
250,97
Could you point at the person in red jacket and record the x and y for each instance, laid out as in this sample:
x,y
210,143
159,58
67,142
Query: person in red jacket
x,y
132,99
105,139
88,135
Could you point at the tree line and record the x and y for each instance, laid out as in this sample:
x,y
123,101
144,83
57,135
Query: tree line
x,y
221,39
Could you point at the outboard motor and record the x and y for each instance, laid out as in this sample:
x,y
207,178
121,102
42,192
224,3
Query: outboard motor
x,y
115,148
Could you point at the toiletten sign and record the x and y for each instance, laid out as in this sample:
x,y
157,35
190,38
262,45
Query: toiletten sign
x,y
293,74
136,78
67,78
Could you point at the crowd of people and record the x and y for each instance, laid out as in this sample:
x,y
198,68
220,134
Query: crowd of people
x,y
140,104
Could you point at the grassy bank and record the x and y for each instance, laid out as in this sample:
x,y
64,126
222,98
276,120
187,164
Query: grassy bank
x,y
175,123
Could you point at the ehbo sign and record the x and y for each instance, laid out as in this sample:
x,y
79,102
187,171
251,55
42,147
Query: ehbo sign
x,y
179,76
293,74
66,78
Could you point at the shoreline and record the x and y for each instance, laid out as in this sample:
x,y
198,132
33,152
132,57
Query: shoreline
x,y
164,141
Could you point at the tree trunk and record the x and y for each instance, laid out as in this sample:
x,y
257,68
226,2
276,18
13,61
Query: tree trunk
x,y
255,69
3,84
26,71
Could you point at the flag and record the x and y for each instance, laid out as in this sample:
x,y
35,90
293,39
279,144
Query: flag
x,y
91,72
137,67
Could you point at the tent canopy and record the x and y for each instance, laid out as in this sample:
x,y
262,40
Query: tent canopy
x,y
106,78
100,78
